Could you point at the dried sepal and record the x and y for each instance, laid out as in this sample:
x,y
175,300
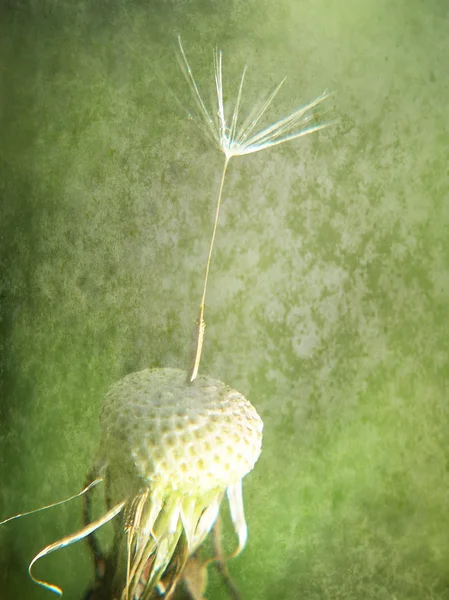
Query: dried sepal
x,y
72,539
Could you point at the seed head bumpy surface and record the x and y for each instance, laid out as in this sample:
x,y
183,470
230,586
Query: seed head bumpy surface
x,y
189,437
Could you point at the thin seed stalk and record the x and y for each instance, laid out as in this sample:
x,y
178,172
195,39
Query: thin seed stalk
x,y
201,324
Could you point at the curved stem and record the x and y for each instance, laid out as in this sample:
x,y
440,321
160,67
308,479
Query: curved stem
x,y
200,324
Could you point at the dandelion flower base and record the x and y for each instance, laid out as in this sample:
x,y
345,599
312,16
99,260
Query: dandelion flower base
x,y
171,450
181,436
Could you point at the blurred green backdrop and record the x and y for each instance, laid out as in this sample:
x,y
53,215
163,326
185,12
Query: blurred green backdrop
x,y
328,304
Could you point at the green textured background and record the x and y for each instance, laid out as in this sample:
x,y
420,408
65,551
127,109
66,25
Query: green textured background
x,y
328,304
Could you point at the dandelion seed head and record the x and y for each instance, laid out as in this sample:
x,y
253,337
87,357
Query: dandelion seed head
x,y
172,450
174,443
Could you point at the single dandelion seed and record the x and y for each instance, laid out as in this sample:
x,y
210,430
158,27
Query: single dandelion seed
x,y
235,139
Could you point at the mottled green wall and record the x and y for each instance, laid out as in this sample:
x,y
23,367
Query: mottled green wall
x,y
328,303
